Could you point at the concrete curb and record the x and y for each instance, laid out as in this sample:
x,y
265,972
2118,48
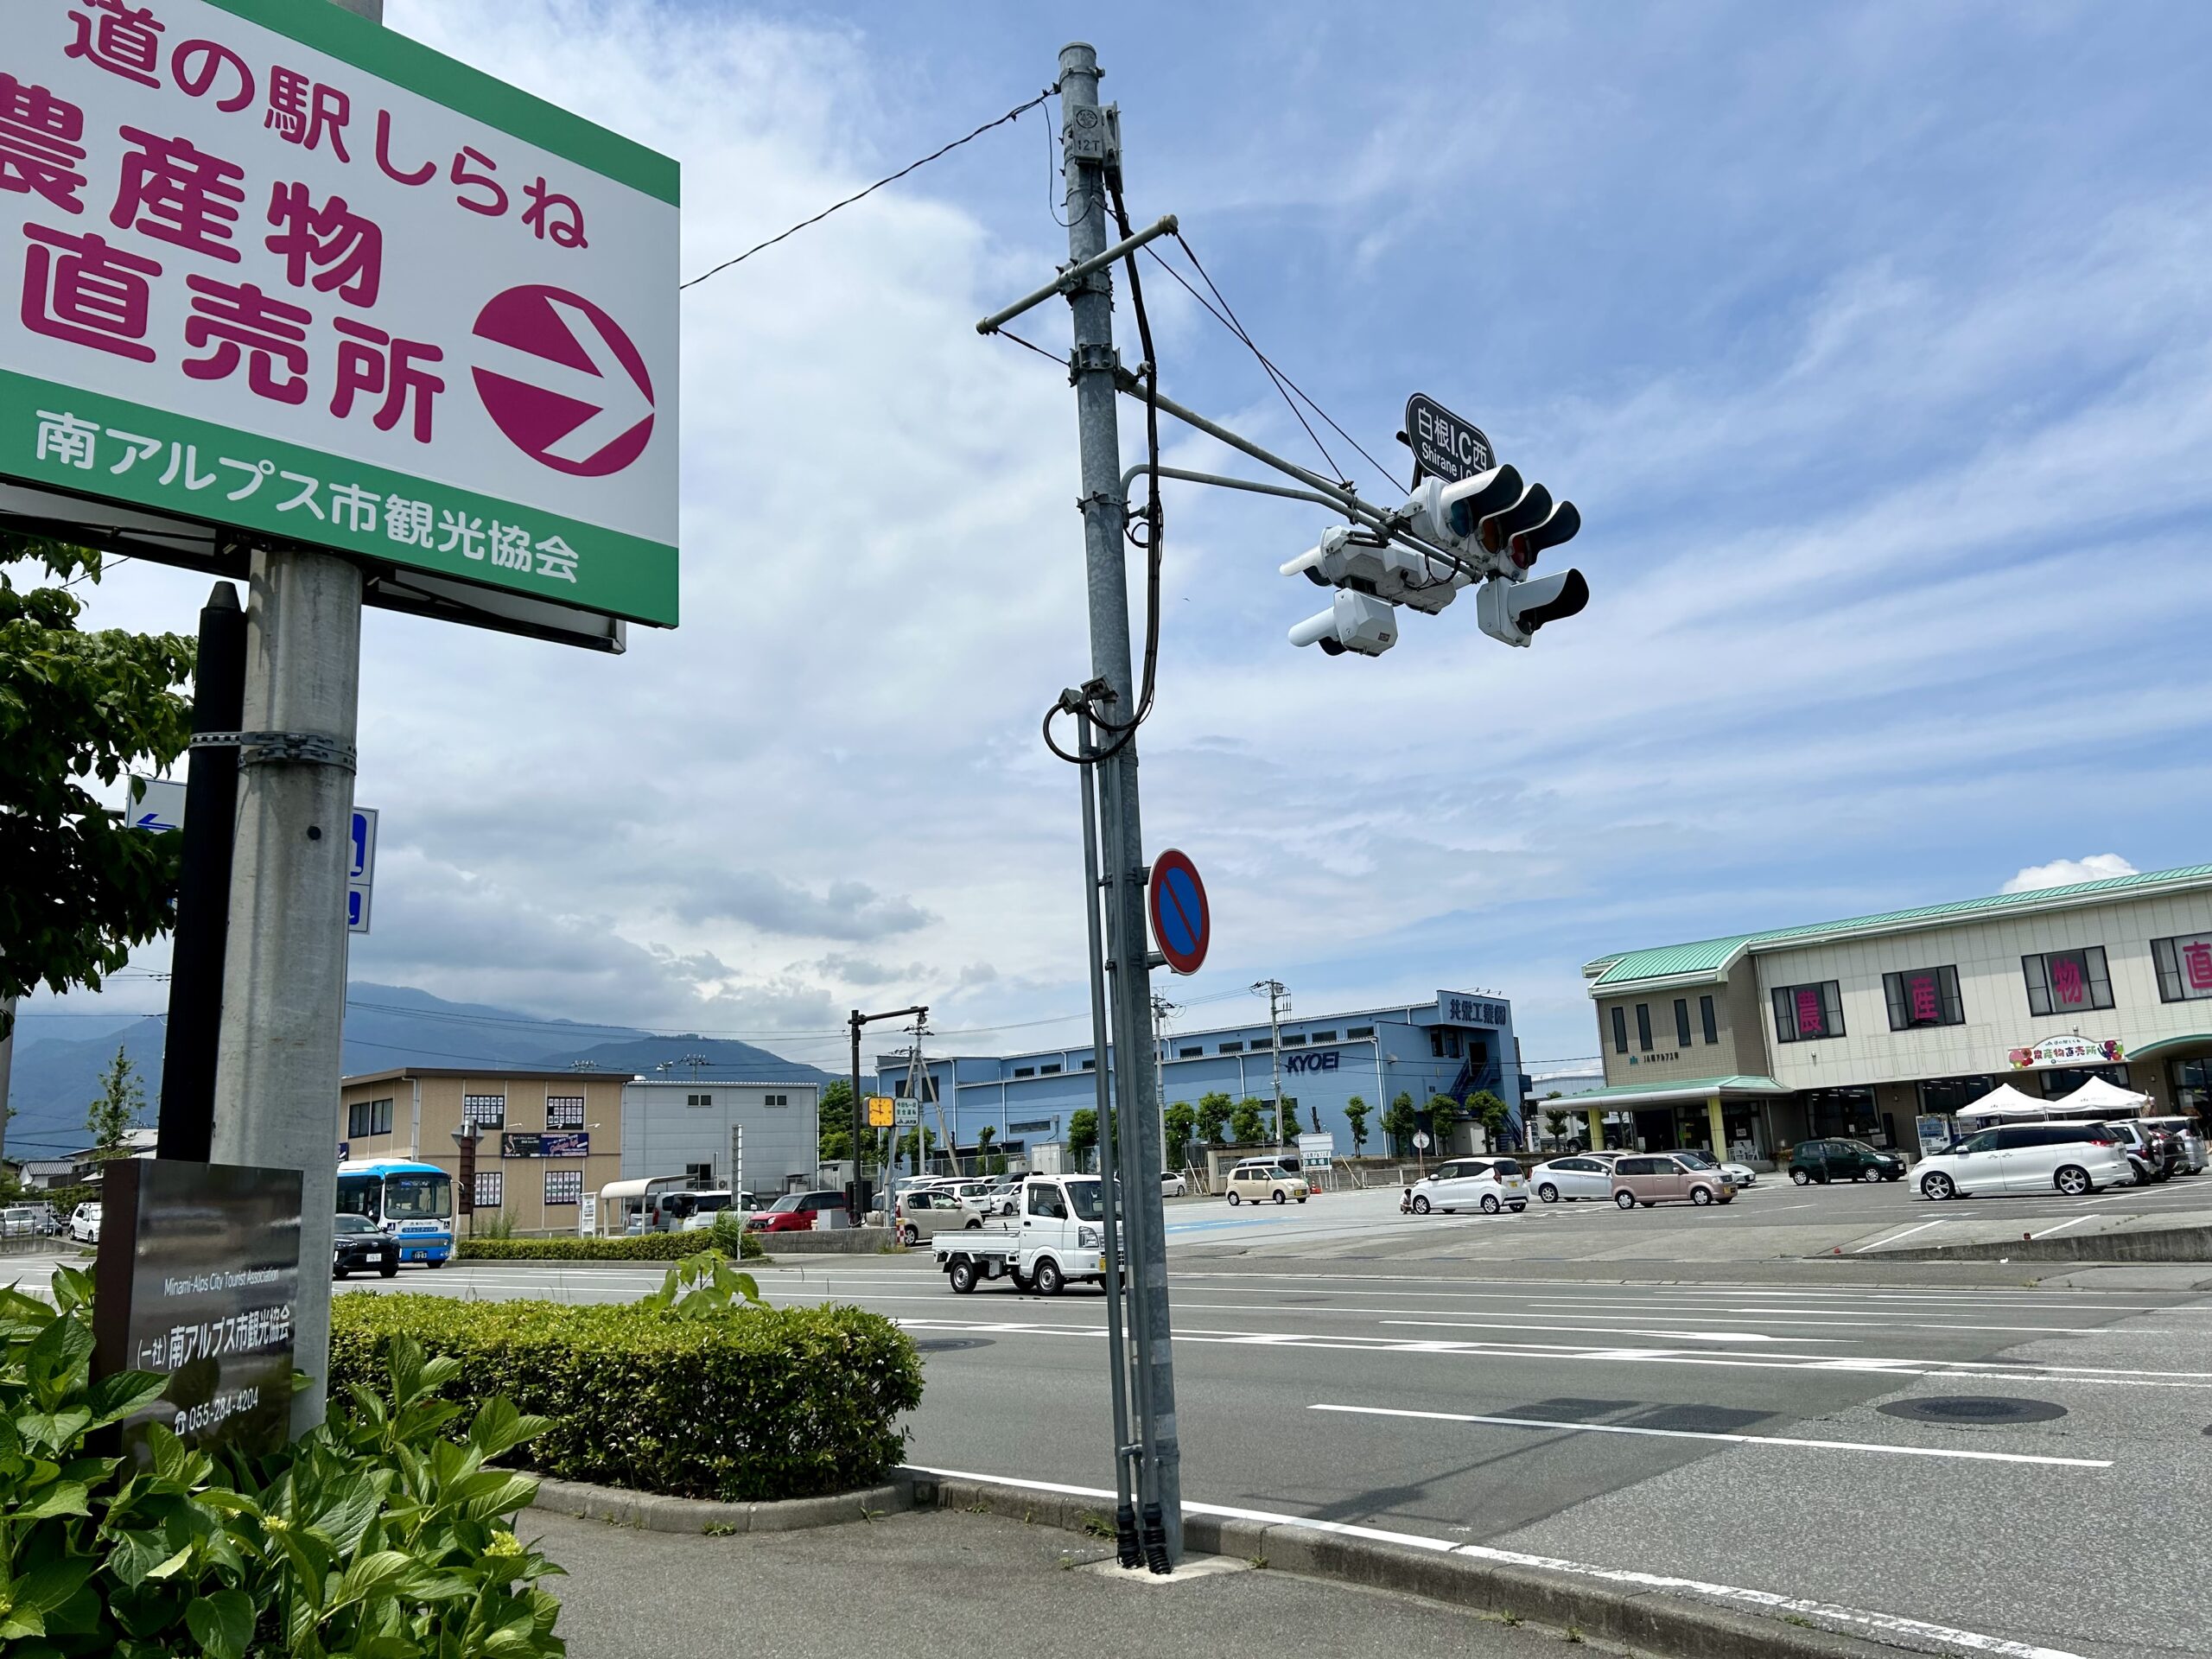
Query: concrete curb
x,y
1652,1621
2150,1245
654,1512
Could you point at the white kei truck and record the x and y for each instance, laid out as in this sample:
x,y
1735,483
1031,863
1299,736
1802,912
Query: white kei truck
x,y
1057,1237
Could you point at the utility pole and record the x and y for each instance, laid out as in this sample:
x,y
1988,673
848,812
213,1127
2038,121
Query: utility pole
x,y
198,943
1278,1005
1161,1007
1089,148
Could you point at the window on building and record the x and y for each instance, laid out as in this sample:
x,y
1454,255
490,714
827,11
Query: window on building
x,y
368,1118
1358,1033
1923,996
1712,1020
1435,1043
1261,1043
1189,1053
565,1111
485,1111
490,1188
1019,1072
564,1186
698,1099
1036,1127
1090,1065
2067,981
1806,1013
1945,1096
1620,1030
775,1100
1325,1036
1232,1048
1048,1071
2184,968
1681,1022
699,1174
1643,1026
1294,1040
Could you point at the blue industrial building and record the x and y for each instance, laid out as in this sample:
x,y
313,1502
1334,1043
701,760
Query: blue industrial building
x,y
1456,1045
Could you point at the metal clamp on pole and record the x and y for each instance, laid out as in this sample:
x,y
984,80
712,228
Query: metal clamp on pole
x,y
301,748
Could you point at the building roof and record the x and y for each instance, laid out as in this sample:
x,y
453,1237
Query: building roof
x,y
514,1073
1710,959
1651,1094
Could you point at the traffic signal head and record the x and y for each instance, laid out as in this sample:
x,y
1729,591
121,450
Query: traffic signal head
x,y
1448,512
1533,507
1355,621
1559,526
1513,610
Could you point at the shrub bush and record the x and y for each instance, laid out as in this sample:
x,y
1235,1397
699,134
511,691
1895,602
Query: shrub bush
x,y
742,1405
637,1247
375,1533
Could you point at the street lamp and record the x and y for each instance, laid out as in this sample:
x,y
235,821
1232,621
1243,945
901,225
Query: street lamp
x,y
466,1138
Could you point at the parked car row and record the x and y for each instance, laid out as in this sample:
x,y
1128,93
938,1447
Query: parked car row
x,y
2074,1159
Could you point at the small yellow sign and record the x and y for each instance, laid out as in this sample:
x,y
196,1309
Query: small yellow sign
x,y
881,1109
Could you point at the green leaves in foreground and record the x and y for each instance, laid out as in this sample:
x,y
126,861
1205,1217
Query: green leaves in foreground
x,y
379,1535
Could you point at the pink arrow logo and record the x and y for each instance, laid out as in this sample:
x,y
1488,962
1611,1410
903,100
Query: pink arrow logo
x,y
564,383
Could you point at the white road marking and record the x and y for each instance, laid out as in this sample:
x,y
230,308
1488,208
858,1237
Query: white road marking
x,y
1768,1600
1731,1440
2063,1226
1907,1233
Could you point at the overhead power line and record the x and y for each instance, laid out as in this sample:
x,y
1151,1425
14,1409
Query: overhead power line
x,y
1013,114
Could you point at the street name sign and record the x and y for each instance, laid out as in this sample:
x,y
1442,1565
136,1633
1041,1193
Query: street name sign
x,y
269,269
1181,925
1444,445
198,1279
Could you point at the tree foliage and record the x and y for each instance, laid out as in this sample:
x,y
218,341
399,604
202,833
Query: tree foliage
x,y
1356,1111
1398,1124
1182,1125
1250,1122
1083,1134
114,1113
1213,1114
81,887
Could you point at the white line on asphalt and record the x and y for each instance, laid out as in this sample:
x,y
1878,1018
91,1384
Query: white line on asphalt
x,y
1867,1292
1759,1316
1731,1440
1894,1623
2063,1226
1907,1233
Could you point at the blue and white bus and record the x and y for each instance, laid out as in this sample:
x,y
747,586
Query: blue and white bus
x,y
411,1201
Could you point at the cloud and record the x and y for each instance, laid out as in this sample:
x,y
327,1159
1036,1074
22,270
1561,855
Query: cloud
x,y
2064,872
843,910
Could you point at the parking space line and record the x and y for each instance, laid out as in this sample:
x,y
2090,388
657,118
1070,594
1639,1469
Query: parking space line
x,y
1765,1600
1729,1439
1907,1233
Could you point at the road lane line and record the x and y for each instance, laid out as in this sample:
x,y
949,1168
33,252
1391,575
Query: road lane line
x,y
1768,1600
1907,1233
2063,1226
1731,1439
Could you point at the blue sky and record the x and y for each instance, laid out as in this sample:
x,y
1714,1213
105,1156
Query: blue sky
x,y
1872,341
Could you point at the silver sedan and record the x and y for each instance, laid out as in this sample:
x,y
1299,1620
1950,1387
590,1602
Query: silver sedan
x,y
1583,1175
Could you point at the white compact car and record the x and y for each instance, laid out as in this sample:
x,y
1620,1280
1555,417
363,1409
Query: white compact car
x,y
85,1223
1489,1184
1173,1186
1739,1175
2074,1159
1582,1175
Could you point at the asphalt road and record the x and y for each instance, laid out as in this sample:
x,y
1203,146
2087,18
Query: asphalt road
x,y
1727,1433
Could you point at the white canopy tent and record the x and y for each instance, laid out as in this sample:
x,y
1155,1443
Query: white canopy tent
x,y
2102,1099
2005,1101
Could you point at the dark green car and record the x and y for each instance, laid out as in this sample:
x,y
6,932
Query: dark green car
x,y
1843,1161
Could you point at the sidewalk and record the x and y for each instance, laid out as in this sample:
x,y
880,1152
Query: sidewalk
x,y
939,1579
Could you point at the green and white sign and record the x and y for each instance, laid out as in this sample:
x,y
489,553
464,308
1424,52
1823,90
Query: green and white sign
x,y
266,266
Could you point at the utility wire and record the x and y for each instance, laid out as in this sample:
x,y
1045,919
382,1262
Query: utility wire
x,y
1011,115
1284,384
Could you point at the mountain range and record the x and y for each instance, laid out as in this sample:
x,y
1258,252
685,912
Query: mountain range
x,y
387,1026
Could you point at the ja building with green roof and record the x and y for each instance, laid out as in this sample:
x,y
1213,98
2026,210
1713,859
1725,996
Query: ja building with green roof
x,y
1878,1027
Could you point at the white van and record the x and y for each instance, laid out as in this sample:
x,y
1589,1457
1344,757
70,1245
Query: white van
x,y
2074,1159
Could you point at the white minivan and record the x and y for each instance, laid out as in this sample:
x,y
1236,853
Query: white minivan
x,y
1486,1184
2074,1159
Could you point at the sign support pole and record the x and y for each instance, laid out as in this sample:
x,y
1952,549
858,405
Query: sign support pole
x,y
1104,514
278,1061
203,900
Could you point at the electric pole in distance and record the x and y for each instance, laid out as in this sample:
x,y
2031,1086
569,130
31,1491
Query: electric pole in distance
x,y
1091,146
1278,1006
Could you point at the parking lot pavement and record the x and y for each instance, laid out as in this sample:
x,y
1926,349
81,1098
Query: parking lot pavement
x,y
942,1578
1772,1222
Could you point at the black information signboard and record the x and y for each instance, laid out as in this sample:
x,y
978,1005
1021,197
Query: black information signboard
x,y
1445,446
197,1278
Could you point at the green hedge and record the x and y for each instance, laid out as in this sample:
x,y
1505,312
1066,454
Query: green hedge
x,y
768,1403
637,1247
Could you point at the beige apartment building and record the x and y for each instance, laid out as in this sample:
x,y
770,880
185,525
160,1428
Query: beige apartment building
x,y
1880,1027
545,1138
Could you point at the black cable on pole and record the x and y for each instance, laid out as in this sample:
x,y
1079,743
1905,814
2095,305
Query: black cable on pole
x,y
1011,115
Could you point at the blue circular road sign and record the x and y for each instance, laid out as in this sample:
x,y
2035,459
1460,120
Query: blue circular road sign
x,y
1181,925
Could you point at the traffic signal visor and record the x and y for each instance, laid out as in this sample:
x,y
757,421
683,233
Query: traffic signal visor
x,y
1513,610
